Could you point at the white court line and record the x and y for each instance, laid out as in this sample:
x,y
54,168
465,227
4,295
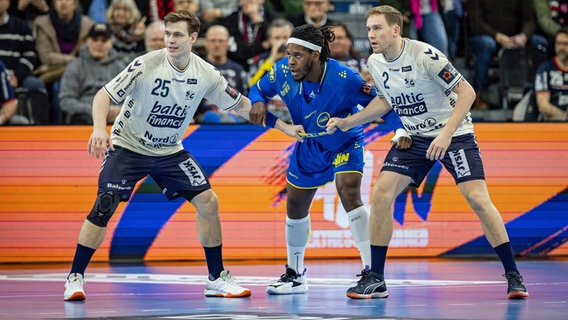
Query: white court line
x,y
243,280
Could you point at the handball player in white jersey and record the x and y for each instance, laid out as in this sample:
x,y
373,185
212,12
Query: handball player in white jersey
x,y
159,93
433,101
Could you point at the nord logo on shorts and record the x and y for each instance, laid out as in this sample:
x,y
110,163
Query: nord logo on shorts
x,y
193,172
460,163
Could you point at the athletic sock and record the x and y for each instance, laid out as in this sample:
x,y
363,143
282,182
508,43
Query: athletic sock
x,y
82,258
297,233
214,259
505,253
359,225
378,258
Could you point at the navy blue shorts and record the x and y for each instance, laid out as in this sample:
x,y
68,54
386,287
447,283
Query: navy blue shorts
x,y
462,160
312,165
122,169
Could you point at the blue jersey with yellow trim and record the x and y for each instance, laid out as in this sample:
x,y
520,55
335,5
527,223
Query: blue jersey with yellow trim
x,y
340,91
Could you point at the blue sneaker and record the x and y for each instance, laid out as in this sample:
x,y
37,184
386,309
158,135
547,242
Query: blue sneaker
x,y
516,286
370,286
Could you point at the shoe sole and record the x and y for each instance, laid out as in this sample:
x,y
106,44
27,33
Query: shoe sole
x,y
380,295
77,296
273,291
517,295
243,294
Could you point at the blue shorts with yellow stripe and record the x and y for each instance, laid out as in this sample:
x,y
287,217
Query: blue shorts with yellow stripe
x,y
312,165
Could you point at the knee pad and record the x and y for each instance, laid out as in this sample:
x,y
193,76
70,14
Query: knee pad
x,y
104,208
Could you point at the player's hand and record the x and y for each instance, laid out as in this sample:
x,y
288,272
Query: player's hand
x,y
98,142
257,113
401,139
334,124
439,146
293,130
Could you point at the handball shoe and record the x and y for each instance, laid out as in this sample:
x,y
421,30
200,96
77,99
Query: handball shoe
x,y
74,288
370,286
225,286
289,283
516,286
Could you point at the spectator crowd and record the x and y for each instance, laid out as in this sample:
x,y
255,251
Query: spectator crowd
x,y
64,51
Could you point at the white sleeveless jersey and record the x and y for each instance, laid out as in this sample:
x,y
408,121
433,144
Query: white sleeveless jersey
x,y
159,101
418,85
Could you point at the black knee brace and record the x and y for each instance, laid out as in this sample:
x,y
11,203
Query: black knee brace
x,y
104,208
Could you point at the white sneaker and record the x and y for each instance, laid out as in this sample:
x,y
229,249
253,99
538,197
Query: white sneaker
x,y
225,286
289,283
74,288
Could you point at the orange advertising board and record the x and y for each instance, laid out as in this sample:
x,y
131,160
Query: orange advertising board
x,y
48,184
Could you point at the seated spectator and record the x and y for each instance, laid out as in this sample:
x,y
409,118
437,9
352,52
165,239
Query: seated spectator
x,y
8,102
154,36
59,36
128,29
213,11
551,15
28,10
216,47
551,82
248,31
494,26
315,12
342,49
279,31
78,88
18,50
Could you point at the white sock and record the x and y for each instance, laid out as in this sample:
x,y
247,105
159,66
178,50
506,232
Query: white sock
x,y
359,225
297,234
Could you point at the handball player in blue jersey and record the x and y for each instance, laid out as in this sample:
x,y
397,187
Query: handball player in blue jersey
x,y
433,101
316,88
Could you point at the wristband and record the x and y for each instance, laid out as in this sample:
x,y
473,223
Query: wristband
x,y
270,119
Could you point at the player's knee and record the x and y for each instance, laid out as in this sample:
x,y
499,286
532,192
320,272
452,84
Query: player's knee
x,y
206,204
104,208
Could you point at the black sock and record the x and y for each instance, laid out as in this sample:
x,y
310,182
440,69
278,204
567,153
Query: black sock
x,y
505,253
214,258
378,258
82,258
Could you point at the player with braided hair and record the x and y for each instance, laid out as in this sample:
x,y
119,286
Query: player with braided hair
x,y
315,88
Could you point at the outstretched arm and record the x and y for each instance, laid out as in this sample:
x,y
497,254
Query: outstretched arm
x,y
243,110
378,107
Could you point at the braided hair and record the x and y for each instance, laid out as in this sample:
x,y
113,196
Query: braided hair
x,y
318,36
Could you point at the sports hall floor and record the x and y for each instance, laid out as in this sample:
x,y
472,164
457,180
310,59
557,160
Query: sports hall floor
x,y
419,289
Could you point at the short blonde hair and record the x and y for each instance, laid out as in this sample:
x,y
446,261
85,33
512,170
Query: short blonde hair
x,y
392,15
136,15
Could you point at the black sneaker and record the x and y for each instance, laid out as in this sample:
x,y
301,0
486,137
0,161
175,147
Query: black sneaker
x,y
289,283
516,286
370,286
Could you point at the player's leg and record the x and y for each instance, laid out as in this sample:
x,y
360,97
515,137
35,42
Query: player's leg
x,y
297,229
181,175
477,195
119,165
349,189
463,161
400,168
372,282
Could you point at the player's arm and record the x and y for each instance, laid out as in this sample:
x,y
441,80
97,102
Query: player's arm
x,y
244,107
376,108
100,138
544,105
